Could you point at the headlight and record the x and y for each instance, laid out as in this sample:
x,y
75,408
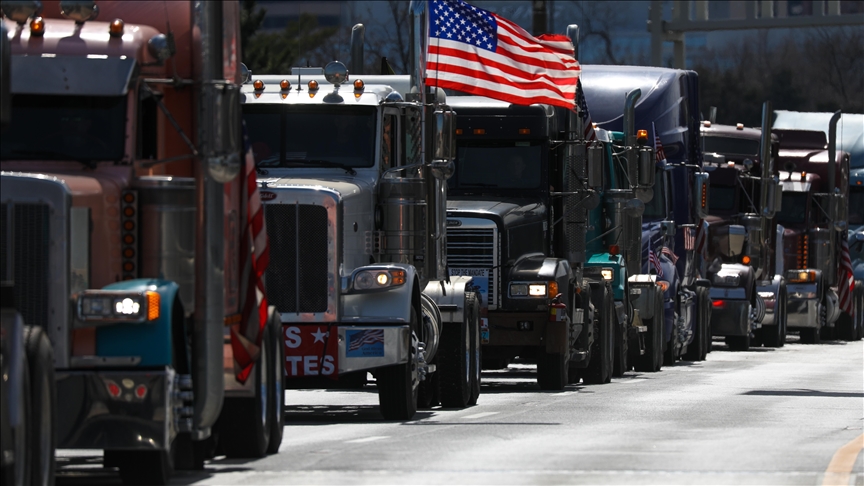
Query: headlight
x,y
607,273
537,290
726,279
801,276
378,279
118,306
533,289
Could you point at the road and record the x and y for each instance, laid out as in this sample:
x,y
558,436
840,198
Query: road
x,y
767,416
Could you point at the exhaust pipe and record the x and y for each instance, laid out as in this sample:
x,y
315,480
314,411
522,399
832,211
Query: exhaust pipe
x,y
358,38
832,150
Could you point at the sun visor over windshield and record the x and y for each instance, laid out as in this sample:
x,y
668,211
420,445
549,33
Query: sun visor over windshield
x,y
71,75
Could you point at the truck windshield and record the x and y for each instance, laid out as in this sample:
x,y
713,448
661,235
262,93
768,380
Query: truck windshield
x,y
721,198
47,127
856,206
290,136
793,209
498,165
655,209
731,146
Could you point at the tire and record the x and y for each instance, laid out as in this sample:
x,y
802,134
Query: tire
x,y
144,467
476,350
696,349
245,421
775,336
552,371
398,387
40,361
599,369
19,472
653,358
813,335
738,343
429,391
276,381
454,363
620,364
669,356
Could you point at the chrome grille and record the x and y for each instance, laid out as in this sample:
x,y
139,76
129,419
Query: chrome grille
x,y
476,247
298,270
24,248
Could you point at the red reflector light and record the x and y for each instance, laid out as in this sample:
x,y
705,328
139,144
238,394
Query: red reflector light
x,y
717,304
614,249
113,389
140,391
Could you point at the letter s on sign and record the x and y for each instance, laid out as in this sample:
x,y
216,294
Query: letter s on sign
x,y
292,337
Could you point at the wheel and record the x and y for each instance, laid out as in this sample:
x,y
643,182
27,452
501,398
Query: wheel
x,y
775,336
144,467
813,335
620,364
669,354
40,362
653,357
476,350
696,349
454,362
19,472
245,421
599,369
398,384
827,333
276,409
552,371
738,343
429,391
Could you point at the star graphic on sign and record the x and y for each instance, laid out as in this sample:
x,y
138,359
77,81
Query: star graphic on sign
x,y
320,335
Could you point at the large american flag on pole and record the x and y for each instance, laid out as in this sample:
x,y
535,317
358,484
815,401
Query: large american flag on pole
x,y
590,134
846,279
254,257
477,52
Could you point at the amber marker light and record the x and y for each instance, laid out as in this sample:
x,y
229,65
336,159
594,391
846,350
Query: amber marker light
x,y
642,135
479,131
258,85
553,289
152,305
745,260
358,84
37,27
285,84
614,249
313,85
524,131
459,132
115,28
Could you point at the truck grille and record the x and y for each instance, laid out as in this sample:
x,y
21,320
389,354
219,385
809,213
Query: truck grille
x,y
298,270
24,244
476,248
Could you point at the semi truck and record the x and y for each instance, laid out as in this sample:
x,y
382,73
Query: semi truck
x,y
353,175
677,202
125,219
815,180
528,193
744,240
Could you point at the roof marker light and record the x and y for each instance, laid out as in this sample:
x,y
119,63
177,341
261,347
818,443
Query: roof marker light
x,y
739,126
258,85
285,84
37,27
115,28
359,84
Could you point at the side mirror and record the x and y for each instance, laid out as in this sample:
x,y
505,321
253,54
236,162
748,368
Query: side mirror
x,y
837,213
443,147
5,78
645,177
737,234
224,126
772,190
443,169
700,194
596,152
667,228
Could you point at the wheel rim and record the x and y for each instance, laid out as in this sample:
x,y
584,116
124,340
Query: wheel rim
x,y
262,384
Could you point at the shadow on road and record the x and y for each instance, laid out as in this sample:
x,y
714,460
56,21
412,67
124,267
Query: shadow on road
x,y
328,414
804,393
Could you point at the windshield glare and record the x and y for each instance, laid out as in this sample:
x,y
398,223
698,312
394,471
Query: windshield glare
x,y
47,127
498,165
311,137
731,146
856,206
793,209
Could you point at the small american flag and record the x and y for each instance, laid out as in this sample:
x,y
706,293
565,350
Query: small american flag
x,y
360,339
669,254
658,148
689,238
701,245
477,52
655,262
846,281
590,134
254,257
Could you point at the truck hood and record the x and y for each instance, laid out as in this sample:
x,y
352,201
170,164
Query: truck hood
x,y
506,213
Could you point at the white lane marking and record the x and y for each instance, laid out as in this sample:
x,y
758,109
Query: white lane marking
x,y
565,394
479,415
634,380
367,439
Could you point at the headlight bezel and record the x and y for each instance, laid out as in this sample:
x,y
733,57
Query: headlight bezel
x,y
725,278
532,290
118,306
377,279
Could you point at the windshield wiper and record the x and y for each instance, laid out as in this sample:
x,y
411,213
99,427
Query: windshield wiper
x,y
55,155
321,163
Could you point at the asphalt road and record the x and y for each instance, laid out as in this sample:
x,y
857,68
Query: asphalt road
x,y
760,417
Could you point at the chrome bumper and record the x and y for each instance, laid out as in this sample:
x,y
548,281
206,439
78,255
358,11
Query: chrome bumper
x,y
802,305
396,349
90,417
733,317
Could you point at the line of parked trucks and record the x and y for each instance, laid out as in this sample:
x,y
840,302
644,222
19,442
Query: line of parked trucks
x,y
414,234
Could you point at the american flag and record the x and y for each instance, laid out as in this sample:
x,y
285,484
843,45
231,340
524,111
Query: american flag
x,y
370,336
477,52
653,260
590,134
701,245
669,254
846,281
254,257
689,238
658,148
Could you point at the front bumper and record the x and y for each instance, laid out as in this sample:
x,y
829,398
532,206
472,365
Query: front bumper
x,y
802,305
329,350
730,312
91,418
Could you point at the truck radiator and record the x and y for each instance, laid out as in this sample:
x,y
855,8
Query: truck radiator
x,y
298,271
24,245
476,248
